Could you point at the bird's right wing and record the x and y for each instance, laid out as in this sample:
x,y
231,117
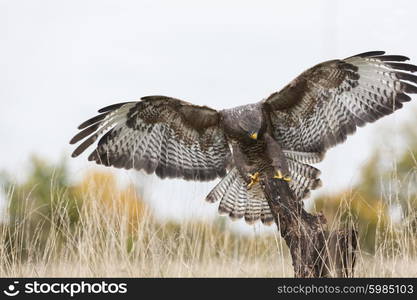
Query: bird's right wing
x,y
329,101
170,137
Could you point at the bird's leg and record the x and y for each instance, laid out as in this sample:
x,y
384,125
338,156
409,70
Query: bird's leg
x,y
254,178
245,170
279,161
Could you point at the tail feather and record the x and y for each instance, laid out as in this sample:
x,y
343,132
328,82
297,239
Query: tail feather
x,y
254,206
233,202
266,215
304,157
220,189
228,199
304,178
238,202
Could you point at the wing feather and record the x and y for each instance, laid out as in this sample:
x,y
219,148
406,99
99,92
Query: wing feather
x,y
158,134
326,103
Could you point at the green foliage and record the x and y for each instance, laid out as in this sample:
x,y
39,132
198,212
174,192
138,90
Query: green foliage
x,y
385,182
34,203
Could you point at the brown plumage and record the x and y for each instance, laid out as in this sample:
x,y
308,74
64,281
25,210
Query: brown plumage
x,y
287,131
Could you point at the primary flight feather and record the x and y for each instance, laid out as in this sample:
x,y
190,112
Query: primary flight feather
x,y
288,131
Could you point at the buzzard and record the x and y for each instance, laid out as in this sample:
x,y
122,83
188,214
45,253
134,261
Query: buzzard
x,y
287,131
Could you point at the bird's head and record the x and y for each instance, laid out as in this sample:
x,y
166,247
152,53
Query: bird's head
x,y
251,123
246,122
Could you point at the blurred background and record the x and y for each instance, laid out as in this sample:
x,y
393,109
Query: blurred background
x,y
60,61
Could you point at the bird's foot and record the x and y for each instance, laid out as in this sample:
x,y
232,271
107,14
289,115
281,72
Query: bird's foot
x,y
254,178
279,175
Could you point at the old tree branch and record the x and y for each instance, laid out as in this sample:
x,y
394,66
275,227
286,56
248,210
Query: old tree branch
x,y
315,251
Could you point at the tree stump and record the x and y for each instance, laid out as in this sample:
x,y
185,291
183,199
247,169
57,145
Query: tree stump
x,y
315,252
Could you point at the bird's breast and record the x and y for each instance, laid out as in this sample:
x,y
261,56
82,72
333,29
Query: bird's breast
x,y
255,153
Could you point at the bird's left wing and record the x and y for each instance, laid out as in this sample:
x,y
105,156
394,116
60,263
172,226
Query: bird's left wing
x,y
326,103
170,137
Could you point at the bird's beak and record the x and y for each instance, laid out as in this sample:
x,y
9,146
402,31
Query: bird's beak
x,y
254,136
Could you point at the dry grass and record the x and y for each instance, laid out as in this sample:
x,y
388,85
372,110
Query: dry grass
x,y
109,241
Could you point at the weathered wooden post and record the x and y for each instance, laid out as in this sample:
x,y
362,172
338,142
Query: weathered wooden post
x,y
315,252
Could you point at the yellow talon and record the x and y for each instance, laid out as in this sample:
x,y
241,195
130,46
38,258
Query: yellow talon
x,y
254,179
278,175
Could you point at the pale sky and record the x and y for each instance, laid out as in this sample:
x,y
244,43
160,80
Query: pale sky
x,y
60,61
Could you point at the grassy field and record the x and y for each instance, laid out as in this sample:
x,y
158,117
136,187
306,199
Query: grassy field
x,y
108,235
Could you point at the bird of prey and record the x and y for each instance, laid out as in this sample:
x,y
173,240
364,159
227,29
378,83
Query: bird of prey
x,y
287,131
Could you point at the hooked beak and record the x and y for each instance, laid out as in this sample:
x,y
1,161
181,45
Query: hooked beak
x,y
254,136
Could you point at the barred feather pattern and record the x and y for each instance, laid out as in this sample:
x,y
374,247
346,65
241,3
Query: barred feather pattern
x,y
304,178
326,103
238,202
157,135
304,157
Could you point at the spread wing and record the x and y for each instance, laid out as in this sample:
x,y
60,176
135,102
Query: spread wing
x,y
326,103
170,137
